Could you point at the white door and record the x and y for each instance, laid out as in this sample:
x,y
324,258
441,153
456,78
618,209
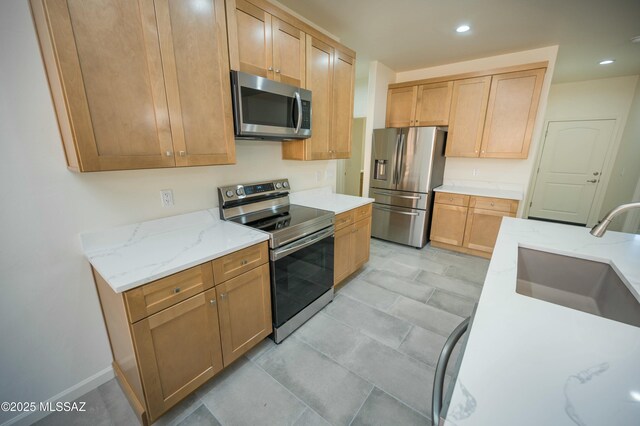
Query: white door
x,y
570,169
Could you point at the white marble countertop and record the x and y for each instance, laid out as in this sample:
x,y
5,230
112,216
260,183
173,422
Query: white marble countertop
x,y
324,198
530,362
480,191
132,255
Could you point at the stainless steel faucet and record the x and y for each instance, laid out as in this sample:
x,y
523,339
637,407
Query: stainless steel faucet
x,y
601,227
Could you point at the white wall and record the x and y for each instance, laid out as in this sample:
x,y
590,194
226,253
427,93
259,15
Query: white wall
x,y
360,97
512,174
51,327
608,98
380,76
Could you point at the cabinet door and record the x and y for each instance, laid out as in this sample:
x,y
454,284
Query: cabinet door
x,y
342,104
288,53
433,104
482,229
401,106
250,39
104,66
466,119
193,40
360,242
448,223
511,114
342,254
178,350
245,312
319,81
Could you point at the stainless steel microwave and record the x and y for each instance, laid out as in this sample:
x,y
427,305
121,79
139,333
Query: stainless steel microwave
x,y
267,109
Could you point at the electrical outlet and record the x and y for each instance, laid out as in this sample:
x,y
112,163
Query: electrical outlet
x,y
166,197
319,176
474,172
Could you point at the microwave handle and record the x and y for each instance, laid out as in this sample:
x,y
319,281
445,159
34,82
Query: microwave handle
x,y
299,102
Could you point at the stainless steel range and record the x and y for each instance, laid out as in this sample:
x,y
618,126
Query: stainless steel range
x,y
300,248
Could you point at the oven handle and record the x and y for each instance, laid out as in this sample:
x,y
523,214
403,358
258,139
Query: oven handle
x,y
300,244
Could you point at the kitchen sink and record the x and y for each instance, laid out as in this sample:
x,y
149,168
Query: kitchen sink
x,y
585,285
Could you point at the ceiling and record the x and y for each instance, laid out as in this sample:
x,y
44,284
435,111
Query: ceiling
x,y
412,34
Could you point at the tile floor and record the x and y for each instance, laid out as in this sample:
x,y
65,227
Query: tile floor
x,y
367,358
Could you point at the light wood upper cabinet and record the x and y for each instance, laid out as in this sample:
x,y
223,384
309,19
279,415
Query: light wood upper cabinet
x,y
401,106
433,104
342,104
196,68
419,105
330,77
261,44
466,118
511,114
137,84
178,350
289,46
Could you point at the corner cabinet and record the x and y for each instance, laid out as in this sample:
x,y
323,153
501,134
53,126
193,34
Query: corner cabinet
x,y
140,84
469,224
352,242
170,336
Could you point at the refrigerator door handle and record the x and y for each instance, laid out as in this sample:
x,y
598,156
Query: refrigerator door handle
x,y
408,197
395,211
396,159
400,161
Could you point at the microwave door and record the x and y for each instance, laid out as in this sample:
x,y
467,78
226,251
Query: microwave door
x,y
384,156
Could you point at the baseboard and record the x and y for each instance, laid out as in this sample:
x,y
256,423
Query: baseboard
x,y
67,395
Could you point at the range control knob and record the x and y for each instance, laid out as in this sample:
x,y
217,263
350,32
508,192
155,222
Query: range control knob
x,y
285,184
278,185
229,193
239,191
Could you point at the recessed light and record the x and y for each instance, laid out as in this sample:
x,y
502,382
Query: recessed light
x,y
607,62
463,29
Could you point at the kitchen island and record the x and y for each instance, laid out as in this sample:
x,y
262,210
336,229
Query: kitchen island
x,y
531,362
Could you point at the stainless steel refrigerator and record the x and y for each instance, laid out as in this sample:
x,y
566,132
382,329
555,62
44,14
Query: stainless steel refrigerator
x,y
406,164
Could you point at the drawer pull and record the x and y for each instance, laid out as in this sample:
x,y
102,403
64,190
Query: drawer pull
x,y
176,290
212,301
450,199
244,262
223,296
492,204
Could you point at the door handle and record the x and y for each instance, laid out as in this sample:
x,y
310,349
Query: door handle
x,y
592,180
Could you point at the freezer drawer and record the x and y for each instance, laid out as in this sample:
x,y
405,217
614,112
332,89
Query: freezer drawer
x,y
400,225
411,200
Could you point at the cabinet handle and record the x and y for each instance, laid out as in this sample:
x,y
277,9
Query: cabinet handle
x,y
212,301
244,262
492,204
277,71
176,290
168,153
270,68
223,296
182,153
450,199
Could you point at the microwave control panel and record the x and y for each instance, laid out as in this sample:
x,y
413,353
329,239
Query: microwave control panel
x,y
306,115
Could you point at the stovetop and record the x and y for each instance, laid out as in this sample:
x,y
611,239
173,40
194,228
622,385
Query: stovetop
x,y
287,223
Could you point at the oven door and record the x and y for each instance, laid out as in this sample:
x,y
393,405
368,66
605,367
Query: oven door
x,y
268,109
301,272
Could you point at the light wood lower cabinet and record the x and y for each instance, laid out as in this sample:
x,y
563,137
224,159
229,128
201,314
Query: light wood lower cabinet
x,y
469,224
352,242
244,309
170,336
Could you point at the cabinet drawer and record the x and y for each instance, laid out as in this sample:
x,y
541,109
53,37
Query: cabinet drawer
x,y
362,212
344,219
241,261
496,204
452,199
163,293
